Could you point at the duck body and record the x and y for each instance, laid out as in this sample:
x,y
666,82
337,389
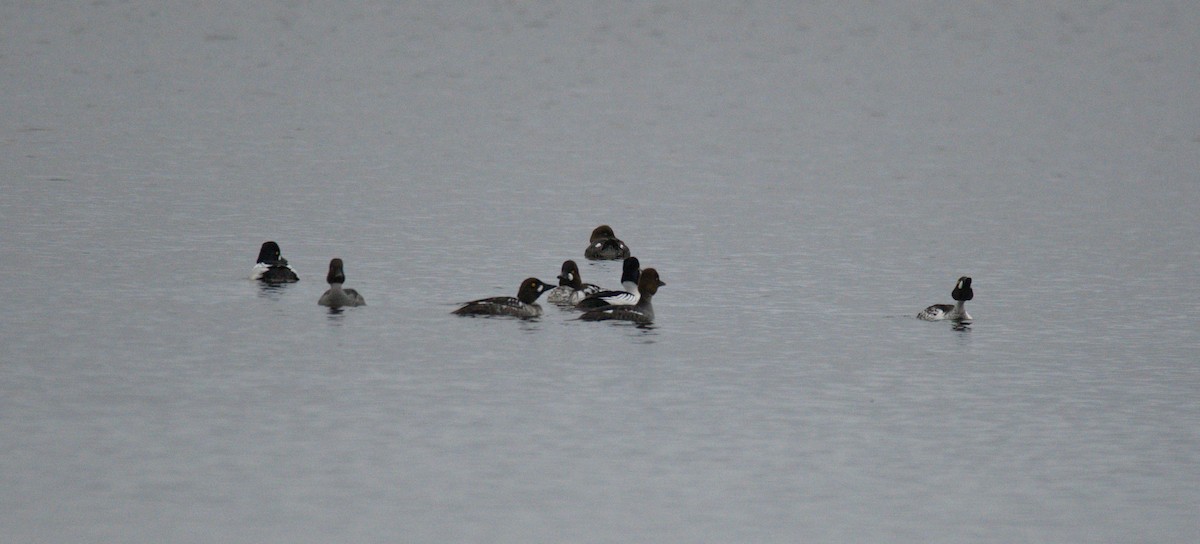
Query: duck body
x,y
337,296
272,267
641,312
571,288
630,272
604,245
524,305
961,294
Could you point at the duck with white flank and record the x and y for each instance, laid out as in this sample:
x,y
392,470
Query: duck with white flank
x,y
631,269
571,288
642,312
962,293
523,305
272,267
336,297
604,245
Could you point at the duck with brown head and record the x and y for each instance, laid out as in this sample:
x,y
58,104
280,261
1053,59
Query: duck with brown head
x,y
336,296
605,246
571,288
523,305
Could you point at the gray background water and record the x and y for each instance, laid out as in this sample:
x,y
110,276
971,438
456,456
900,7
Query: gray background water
x,y
805,176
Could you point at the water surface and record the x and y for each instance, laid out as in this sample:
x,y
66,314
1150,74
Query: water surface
x,y
805,178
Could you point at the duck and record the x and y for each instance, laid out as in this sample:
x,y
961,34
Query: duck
x,y
336,296
272,267
642,312
571,288
524,305
604,245
630,271
961,294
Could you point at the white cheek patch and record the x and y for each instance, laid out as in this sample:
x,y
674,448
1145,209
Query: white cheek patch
x,y
598,244
570,276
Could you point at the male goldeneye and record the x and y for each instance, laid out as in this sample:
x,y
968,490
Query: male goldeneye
x,y
523,305
642,312
271,267
629,280
337,297
604,245
962,293
571,288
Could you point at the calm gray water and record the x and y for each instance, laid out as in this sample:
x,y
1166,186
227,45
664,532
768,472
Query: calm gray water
x,y
804,177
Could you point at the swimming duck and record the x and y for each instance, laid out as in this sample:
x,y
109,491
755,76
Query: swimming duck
x,y
523,305
571,288
337,297
961,294
630,271
272,267
604,245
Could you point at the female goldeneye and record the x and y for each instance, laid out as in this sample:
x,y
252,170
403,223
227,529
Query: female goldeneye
x,y
962,293
604,245
523,305
631,269
642,312
571,288
337,297
271,267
